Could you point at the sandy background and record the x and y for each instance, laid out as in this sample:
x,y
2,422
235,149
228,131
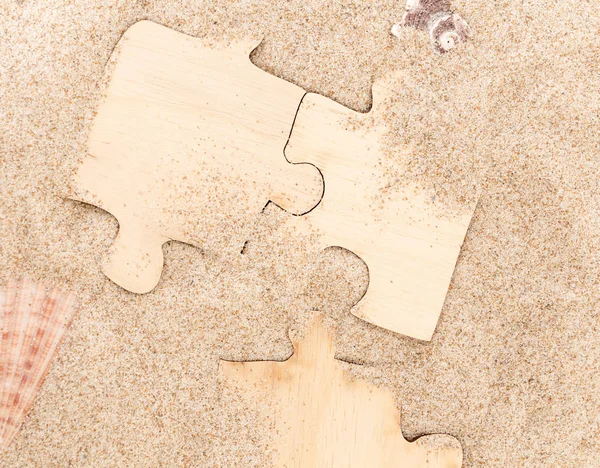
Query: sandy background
x,y
512,369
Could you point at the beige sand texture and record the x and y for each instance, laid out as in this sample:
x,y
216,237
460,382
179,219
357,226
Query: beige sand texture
x,y
513,368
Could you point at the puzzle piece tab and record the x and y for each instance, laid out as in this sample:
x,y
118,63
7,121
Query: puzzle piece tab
x,y
323,418
410,250
187,144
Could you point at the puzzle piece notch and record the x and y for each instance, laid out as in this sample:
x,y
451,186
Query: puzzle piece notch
x,y
324,418
188,145
409,249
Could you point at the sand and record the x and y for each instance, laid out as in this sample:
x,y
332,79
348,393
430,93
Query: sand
x,y
512,369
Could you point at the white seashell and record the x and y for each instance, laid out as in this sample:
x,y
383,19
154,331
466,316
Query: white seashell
x,y
33,322
446,29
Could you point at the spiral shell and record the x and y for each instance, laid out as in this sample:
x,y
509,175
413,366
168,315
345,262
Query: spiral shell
x,y
446,29
33,322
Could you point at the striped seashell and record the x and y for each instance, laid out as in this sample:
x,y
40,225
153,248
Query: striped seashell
x,y
33,322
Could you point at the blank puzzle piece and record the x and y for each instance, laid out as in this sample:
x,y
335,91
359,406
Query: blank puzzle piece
x,y
323,418
184,130
410,250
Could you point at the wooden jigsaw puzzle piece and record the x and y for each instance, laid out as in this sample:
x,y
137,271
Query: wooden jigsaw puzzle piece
x,y
187,145
323,418
409,249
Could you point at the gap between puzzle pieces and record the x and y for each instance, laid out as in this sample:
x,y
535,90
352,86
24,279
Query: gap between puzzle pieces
x,y
185,128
